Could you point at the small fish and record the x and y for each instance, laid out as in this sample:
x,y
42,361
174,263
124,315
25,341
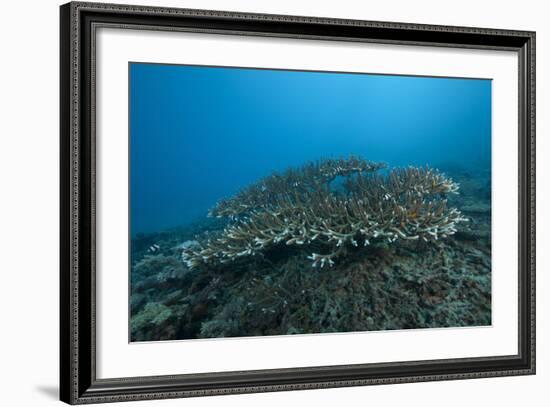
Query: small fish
x,y
154,248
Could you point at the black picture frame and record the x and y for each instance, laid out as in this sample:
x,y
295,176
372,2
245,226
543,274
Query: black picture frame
x,y
78,382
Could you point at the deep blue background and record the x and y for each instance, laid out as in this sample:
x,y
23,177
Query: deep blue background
x,y
198,134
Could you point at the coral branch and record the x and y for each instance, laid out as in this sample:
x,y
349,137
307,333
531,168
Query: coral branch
x,y
300,209
307,178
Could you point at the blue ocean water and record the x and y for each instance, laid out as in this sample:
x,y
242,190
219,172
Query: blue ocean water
x,y
199,134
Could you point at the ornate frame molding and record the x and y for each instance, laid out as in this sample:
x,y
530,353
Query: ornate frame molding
x,y
79,21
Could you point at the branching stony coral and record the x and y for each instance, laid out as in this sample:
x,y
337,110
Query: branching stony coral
x,y
405,204
307,178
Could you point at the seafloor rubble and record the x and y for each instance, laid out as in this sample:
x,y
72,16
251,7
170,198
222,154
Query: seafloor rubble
x,y
390,283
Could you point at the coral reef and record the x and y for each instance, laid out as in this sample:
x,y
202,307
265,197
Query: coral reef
x,y
444,285
388,284
303,180
302,208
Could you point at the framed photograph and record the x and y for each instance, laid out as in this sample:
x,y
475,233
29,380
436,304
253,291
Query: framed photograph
x,y
255,203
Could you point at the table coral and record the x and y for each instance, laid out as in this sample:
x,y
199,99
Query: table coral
x,y
303,207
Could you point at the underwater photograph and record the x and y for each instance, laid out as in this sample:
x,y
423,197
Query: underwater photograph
x,y
276,202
